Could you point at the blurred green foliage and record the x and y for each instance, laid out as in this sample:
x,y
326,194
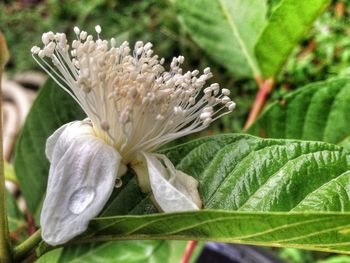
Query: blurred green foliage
x,y
324,53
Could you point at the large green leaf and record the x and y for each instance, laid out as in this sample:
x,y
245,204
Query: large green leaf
x,y
227,30
52,108
288,23
319,111
241,172
282,190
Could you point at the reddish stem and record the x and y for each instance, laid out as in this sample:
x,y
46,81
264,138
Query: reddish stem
x,y
191,245
259,80
340,9
308,49
31,224
265,87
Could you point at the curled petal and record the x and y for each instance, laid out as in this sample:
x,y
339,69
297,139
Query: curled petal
x,y
76,128
173,190
52,140
82,176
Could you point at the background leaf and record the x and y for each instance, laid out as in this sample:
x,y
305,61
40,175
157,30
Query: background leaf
x,y
319,111
226,30
288,23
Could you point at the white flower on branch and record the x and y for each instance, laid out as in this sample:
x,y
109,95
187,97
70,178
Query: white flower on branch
x,y
133,107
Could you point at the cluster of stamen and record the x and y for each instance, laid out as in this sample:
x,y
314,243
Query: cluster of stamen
x,y
133,103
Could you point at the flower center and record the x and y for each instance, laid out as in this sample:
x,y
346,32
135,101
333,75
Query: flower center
x,y
133,102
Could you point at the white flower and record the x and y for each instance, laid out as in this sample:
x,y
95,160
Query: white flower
x,y
133,106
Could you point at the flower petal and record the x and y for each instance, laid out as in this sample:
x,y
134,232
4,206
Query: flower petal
x,y
52,140
172,189
82,177
76,128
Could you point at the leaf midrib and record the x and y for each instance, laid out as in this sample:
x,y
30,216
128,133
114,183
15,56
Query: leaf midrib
x,y
233,27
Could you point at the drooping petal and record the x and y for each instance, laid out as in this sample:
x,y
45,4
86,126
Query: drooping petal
x,y
173,190
82,176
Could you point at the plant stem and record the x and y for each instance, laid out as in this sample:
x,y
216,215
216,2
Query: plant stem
x,y
265,87
191,245
27,246
5,243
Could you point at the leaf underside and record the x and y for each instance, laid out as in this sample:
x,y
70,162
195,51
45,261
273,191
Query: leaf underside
x,y
150,251
229,33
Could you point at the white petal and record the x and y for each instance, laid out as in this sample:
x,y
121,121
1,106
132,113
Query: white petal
x,y
82,176
52,140
172,189
76,128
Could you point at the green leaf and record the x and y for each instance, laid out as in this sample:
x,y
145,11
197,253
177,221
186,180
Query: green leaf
x,y
227,30
268,182
287,25
241,172
319,111
14,216
51,109
122,251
